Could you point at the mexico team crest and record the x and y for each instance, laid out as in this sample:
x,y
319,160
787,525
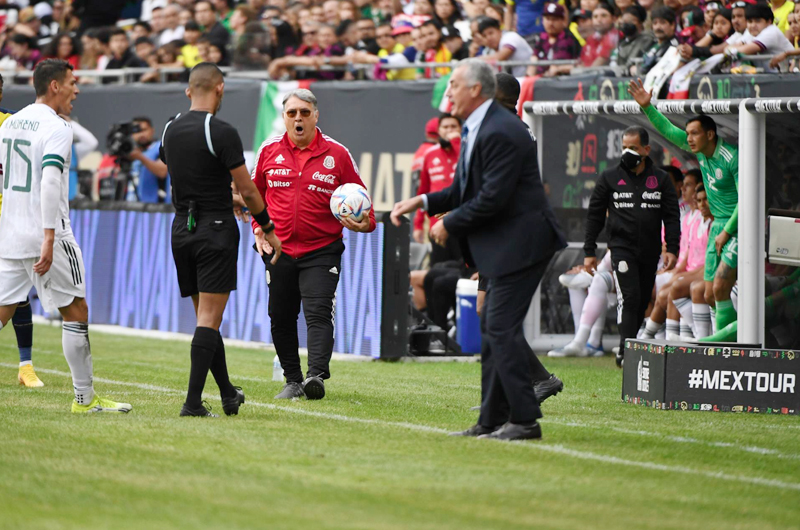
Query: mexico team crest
x,y
329,163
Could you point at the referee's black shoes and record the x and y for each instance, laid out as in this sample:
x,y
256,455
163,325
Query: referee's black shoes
x,y
547,388
291,391
204,410
515,431
230,405
313,387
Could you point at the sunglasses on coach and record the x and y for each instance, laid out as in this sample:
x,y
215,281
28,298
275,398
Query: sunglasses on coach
x,y
303,112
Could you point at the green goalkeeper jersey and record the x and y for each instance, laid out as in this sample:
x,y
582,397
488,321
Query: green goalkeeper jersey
x,y
720,172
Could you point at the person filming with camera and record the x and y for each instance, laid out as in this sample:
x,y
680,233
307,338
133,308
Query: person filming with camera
x,y
147,169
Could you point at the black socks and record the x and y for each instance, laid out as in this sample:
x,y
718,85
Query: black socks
x,y
204,346
219,369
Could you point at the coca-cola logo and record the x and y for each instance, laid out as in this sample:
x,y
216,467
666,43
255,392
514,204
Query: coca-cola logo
x,y
328,179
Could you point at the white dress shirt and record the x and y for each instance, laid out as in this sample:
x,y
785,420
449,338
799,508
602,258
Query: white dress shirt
x,y
473,125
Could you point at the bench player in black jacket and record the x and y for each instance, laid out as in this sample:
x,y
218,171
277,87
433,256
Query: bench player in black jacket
x,y
638,197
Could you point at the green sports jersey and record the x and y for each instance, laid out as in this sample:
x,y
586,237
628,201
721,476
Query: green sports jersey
x,y
720,172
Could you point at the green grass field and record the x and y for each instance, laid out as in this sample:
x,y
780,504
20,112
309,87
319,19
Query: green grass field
x,y
373,454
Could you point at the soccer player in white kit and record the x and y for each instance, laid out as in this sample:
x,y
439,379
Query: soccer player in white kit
x,y
37,247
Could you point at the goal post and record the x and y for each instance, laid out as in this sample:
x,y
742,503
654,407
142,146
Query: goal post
x,y
744,118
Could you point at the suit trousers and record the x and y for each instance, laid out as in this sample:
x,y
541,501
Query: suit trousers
x,y
507,361
634,278
311,280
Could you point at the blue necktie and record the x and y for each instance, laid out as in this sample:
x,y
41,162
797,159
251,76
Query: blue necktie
x,y
463,157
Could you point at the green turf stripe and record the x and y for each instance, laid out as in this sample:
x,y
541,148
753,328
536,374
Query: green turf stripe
x,y
54,164
53,157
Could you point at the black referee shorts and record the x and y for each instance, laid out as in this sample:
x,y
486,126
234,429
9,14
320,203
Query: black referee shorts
x,y
206,258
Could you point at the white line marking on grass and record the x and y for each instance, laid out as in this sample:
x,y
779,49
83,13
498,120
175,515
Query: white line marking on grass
x,y
556,449
678,439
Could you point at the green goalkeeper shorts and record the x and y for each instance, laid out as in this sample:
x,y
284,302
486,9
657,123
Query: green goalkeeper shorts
x,y
730,252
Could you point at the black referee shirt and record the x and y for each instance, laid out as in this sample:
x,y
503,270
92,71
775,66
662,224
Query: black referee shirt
x,y
200,150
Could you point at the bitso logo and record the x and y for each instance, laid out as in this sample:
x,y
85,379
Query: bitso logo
x,y
329,163
279,159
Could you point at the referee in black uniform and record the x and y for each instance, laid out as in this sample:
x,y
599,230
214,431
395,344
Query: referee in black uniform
x,y
202,153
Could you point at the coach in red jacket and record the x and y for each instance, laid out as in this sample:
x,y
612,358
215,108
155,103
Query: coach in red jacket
x,y
297,173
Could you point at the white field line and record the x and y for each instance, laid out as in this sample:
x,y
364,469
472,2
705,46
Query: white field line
x,y
586,425
549,448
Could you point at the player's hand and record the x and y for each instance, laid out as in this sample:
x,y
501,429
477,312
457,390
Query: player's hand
x,y
404,207
721,240
775,61
670,260
356,226
45,257
262,245
590,265
419,236
637,91
439,234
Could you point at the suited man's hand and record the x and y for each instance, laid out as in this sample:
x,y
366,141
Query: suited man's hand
x,y
403,207
439,233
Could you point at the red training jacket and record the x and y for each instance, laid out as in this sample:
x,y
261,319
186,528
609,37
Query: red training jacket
x,y
298,198
438,170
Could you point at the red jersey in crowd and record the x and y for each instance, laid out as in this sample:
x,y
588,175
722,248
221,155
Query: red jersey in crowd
x,y
297,185
599,46
438,170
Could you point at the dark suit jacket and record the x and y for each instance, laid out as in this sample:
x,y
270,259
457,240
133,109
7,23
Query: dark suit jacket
x,y
501,217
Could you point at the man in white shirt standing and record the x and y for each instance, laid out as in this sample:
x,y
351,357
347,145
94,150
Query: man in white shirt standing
x,y
37,247
173,30
505,45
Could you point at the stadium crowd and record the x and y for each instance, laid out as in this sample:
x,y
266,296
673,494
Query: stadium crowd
x,y
374,39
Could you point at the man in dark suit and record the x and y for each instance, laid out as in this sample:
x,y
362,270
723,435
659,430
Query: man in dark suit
x,y
499,213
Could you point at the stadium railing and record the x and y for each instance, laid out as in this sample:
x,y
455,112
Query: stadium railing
x,y
751,126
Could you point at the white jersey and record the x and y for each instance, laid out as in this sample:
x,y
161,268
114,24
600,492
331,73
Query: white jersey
x,y
30,140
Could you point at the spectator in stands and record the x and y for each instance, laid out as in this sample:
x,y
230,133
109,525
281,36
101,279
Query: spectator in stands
x,y
242,16
348,11
366,34
252,51
383,11
528,16
157,24
65,47
63,18
721,31
303,55
794,38
496,12
556,43
184,16
282,37
224,12
781,10
23,51
505,45
31,26
693,22
664,31
386,38
710,10
435,50
423,8
766,37
206,15
90,50
635,41
331,11
168,57
152,173
599,46
172,29
257,6
146,51
121,55
581,26
446,12
141,29
452,40
217,55
190,54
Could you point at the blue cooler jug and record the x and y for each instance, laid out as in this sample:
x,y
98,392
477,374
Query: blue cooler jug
x,y
468,324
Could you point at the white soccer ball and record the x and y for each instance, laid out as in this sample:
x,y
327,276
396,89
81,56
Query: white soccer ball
x,y
350,200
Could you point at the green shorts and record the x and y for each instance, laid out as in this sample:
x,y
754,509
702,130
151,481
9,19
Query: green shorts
x,y
730,252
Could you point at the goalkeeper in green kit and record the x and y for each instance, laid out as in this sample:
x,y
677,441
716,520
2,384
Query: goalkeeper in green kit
x,y
719,164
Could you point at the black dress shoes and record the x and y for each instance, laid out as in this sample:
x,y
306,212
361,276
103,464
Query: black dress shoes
x,y
314,388
547,388
203,411
515,431
230,405
291,391
475,430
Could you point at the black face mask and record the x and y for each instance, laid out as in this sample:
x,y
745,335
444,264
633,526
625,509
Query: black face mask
x,y
445,143
631,159
628,29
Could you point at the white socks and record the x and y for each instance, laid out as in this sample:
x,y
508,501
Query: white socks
x,y
701,315
713,313
576,299
650,329
673,329
75,340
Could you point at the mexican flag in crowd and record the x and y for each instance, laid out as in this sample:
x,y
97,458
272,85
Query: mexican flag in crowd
x,y
269,121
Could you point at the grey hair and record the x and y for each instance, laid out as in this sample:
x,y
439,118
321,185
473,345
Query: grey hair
x,y
478,72
303,94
